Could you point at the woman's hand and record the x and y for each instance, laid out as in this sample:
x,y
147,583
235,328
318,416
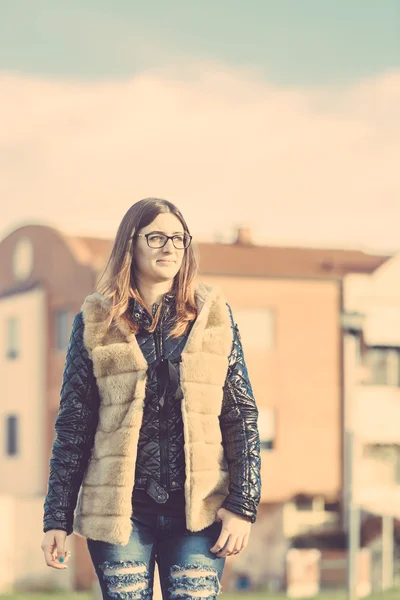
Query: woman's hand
x,y
234,534
53,547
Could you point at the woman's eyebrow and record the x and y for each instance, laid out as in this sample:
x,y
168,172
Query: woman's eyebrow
x,y
163,232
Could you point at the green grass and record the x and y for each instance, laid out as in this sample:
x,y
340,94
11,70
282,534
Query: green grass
x,y
391,595
48,596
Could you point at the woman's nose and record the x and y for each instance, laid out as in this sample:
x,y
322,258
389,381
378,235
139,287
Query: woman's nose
x,y
168,247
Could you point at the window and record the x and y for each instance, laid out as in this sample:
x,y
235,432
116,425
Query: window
x,y
383,366
257,327
397,469
304,503
62,329
267,428
11,435
12,334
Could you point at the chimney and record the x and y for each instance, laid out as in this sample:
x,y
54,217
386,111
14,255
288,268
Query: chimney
x,y
243,237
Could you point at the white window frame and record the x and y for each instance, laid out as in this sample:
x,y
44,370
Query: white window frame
x,y
13,330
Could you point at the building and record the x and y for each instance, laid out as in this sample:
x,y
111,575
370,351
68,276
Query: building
x,y
371,320
288,304
373,301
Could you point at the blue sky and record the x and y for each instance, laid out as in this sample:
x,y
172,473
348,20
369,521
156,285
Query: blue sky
x,y
308,42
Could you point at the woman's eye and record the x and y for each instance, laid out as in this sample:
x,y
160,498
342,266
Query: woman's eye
x,y
180,238
156,238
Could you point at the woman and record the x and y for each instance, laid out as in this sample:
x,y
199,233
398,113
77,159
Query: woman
x,y
157,454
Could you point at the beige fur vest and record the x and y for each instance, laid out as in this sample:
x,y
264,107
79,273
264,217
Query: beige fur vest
x,y
104,505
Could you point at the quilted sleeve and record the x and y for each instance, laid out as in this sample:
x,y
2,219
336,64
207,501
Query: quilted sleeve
x,y
75,427
240,435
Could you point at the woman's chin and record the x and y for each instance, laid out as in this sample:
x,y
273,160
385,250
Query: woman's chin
x,y
165,273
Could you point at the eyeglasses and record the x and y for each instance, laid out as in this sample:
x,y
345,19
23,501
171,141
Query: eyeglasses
x,y
181,241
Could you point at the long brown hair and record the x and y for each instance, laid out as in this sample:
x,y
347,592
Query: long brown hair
x,y
119,283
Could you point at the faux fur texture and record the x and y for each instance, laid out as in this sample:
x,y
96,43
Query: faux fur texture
x,y
104,505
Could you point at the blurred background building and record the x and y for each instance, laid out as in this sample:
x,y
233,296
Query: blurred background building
x,y
290,305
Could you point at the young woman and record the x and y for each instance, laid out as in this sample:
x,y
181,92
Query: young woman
x,y
157,454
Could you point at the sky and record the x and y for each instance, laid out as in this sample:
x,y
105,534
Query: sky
x,y
279,115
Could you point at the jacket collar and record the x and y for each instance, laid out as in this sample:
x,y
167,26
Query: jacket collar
x,y
95,310
140,315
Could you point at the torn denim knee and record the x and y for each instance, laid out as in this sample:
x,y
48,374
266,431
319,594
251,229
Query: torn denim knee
x,y
194,581
126,580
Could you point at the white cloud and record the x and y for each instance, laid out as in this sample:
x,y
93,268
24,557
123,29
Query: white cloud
x,y
299,165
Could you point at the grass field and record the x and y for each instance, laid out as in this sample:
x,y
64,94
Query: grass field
x,y
391,595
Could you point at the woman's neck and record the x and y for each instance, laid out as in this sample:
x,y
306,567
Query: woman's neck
x,y
152,293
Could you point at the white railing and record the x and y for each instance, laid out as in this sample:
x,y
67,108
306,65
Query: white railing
x,y
376,414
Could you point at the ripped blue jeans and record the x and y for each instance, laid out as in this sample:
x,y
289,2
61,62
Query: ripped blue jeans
x,y
186,566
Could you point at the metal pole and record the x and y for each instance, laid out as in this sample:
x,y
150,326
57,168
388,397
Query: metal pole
x,y
387,552
353,536
352,509
353,552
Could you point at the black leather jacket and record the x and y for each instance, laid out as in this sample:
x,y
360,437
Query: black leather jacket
x,y
160,466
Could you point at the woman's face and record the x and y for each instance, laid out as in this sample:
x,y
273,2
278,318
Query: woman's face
x,y
157,265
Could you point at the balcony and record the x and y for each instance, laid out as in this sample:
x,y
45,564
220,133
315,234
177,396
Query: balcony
x,y
296,522
380,500
376,414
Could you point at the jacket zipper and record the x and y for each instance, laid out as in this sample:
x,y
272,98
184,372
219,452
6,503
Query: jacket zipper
x,y
162,412
229,389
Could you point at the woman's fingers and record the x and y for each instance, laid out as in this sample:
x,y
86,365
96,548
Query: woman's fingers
x,y
239,544
66,557
234,534
55,554
51,558
229,547
221,541
245,541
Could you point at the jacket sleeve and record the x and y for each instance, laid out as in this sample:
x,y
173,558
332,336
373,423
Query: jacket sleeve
x,y
240,435
75,427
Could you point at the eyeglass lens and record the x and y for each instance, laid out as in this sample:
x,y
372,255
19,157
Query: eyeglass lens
x,y
159,240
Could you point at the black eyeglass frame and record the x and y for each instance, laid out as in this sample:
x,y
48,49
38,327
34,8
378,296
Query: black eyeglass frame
x,y
167,237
